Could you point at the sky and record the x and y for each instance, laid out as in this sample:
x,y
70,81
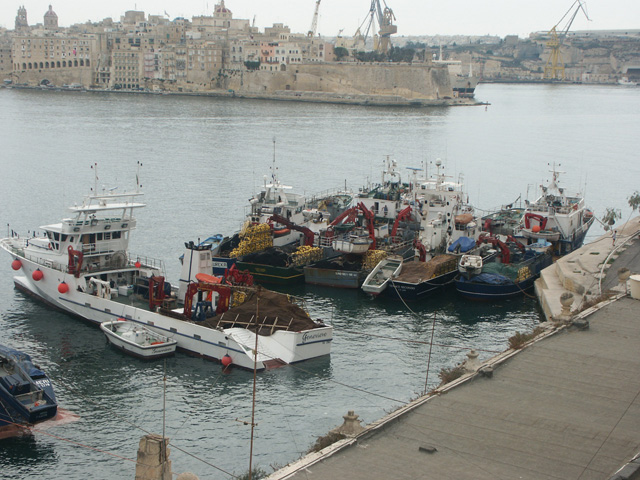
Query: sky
x,y
413,17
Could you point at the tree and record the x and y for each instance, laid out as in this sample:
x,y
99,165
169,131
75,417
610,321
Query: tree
x,y
340,53
252,65
401,54
609,218
634,201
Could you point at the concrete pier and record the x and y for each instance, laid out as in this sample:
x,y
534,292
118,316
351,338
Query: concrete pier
x,y
567,406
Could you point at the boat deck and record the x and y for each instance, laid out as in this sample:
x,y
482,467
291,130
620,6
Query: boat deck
x,y
416,272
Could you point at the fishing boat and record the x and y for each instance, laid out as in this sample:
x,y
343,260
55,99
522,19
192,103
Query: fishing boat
x,y
383,273
83,266
505,221
432,272
384,211
137,340
26,393
556,217
498,280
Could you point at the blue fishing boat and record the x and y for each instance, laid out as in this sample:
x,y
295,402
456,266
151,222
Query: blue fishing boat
x,y
497,280
26,393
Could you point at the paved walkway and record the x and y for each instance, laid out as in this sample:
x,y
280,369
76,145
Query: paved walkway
x,y
581,272
565,407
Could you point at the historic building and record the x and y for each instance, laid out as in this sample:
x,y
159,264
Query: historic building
x,y
50,19
21,20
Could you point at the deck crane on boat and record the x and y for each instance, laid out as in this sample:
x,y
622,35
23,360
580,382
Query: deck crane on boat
x,y
384,18
554,69
308,234
314,23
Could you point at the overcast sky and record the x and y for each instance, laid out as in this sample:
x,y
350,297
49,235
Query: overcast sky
x,y
413,17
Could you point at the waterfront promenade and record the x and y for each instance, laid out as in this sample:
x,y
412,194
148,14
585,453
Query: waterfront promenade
x,y
567,406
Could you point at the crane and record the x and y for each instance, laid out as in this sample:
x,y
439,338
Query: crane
x,y
554,69
384,18
314,23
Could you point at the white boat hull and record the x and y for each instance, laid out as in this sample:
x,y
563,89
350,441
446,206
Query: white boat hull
x,y
282,347
386,270
356,247
138,341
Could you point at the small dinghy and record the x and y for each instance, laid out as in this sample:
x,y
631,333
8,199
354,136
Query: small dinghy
x,y
138,340
386,270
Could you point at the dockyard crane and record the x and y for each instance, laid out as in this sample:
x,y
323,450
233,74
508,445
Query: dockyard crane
x,y
384,19
554,69
314,23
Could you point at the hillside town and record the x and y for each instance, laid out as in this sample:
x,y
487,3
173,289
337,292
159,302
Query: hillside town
x,y
220,53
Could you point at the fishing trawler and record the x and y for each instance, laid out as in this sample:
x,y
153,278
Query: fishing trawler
x,y
82,266
556,217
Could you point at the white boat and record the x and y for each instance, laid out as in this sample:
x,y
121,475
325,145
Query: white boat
x,y
82,266
355,242
137,340
624,81
385,271
556,217
470,264
445,214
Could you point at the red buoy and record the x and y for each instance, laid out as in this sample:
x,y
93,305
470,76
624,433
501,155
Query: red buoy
x,y
138,264
535,228
226,360
16,264
63,287
37,275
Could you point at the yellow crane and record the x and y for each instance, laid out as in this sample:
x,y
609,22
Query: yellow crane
x,y
554,69
384,18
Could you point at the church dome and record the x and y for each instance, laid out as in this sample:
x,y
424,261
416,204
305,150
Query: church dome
x,y
220,8
50,13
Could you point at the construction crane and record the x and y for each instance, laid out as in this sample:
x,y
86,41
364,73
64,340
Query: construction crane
x,y
384,19
314,23
554,69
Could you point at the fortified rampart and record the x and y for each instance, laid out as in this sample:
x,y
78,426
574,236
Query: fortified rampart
x,y
408,82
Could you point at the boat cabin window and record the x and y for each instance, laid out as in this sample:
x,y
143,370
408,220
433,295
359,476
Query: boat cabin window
x,y
115,235
54,238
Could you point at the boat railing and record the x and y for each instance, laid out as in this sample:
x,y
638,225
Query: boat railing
x,y
399,244
277,324
324,194
102,248
148,262
324,241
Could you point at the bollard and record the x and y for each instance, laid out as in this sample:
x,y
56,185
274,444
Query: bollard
x,y
566,300
471,364
351,426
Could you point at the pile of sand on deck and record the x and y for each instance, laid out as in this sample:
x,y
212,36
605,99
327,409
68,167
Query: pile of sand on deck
x,y
269,306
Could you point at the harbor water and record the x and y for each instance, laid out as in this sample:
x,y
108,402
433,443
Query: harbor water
x,y
203,158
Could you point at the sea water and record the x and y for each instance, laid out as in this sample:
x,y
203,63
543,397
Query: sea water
x,y
202,159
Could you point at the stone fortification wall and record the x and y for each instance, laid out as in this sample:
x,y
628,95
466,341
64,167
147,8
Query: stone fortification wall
x,y
57,76
411,82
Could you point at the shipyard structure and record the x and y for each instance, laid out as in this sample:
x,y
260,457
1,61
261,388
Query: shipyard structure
x,y
215,54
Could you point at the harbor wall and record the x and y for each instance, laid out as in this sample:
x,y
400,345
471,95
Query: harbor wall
x,y
404,81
